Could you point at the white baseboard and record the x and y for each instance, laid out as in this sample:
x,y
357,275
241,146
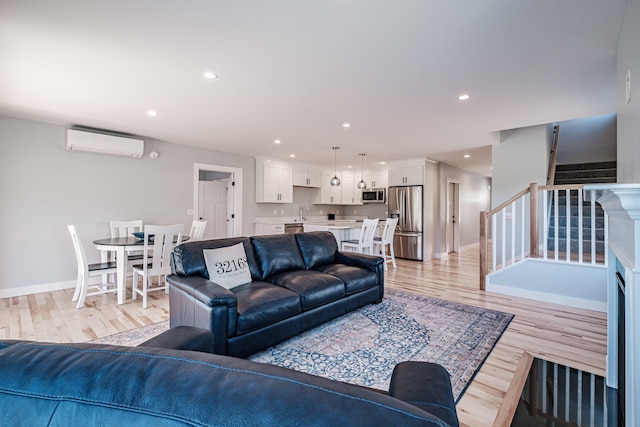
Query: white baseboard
x,y
36,289
464,248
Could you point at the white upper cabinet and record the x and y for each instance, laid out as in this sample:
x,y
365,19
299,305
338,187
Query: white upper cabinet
x,y
376,178
307,177
329,195
349,189
274,182
406,175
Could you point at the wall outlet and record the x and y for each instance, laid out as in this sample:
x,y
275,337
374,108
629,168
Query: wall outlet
x,y
320,211
281,211
189,211
275,211
355,211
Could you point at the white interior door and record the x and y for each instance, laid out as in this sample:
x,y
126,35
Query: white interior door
x,y
453,214
213,207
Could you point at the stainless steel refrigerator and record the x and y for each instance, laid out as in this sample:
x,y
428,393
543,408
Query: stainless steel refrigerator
x,y
405,203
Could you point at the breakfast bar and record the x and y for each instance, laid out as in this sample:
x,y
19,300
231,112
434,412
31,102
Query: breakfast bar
x,y
342,231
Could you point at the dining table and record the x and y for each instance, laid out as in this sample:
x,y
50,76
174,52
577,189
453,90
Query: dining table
x,y
122,247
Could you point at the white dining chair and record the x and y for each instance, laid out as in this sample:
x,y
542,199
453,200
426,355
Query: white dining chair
x,y
197,230
86,271
381,243
156,259
364,243
126,229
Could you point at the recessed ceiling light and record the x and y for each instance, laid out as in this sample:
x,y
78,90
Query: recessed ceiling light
x,y
463,97
466,156
152,113
209,75
349,166
277,141
292,155
383,163
346,125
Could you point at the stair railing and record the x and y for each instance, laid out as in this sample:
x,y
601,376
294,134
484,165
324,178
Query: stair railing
x,y
508,224
553,155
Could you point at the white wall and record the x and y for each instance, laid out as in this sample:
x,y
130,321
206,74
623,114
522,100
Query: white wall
x,y
587,140
521,157
628,57
44,187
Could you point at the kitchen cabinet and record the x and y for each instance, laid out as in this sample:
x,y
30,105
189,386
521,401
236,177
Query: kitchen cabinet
x,y
376,178
329,195
307,177
406,175
351,194
274,182
264,228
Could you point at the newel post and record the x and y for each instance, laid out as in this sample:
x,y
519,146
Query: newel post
x,y
534,221
484,260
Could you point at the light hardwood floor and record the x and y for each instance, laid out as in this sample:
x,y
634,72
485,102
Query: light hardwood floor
x,y
569,336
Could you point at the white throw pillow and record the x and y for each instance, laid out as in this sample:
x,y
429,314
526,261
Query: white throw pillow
x,y
228,266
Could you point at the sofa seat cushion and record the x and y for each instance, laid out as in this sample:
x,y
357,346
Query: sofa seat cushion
x,y
315,288
355,279
261,304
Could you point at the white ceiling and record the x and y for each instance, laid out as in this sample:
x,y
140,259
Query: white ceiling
x,y
296,70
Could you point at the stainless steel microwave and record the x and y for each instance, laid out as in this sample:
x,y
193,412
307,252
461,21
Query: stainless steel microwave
x,y
374,195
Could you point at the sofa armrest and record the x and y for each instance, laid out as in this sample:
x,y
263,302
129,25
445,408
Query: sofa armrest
x,y
204,290
427,386
197,301
183,338
370,262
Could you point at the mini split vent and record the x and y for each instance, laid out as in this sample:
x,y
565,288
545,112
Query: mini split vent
x,y
80,140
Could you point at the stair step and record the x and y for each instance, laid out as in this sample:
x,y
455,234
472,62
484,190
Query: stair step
x,y
587,166
586,222
586,246
572,181
586,174
586,233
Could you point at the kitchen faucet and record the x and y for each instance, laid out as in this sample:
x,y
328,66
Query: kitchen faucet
x,y
301,212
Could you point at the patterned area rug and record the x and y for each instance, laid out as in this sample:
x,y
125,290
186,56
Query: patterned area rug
x,y
363,347
134,337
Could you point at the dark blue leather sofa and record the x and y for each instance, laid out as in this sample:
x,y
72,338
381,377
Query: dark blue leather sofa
x,y
44,384
299,281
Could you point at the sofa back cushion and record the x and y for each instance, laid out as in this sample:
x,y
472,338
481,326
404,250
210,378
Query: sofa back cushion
x,y
188,258
277,253
317,248
51,384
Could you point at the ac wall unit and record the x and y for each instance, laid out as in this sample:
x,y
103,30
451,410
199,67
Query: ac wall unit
x,y
80,140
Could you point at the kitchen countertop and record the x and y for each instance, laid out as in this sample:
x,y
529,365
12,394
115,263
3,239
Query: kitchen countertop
x,y
310,220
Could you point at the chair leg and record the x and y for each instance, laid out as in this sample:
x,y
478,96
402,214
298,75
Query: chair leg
x,y
76,293
392,255
145,281
134,287
83,292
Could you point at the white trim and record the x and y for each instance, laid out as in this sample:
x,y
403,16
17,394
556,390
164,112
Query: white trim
x,y
550,298
470,246
36,289
237,189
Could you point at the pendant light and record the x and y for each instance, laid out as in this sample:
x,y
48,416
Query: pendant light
x,y
335,181
362,185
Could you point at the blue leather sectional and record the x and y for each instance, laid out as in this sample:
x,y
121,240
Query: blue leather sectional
x,y
169,382
299,281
